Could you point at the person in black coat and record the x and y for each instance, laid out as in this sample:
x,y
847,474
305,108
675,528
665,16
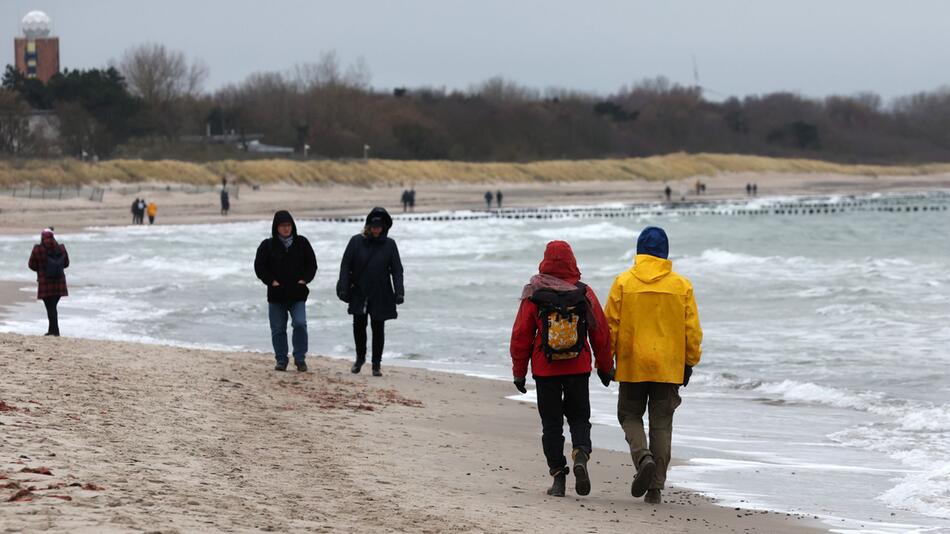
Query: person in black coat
x,y
225,201
371,283
285,262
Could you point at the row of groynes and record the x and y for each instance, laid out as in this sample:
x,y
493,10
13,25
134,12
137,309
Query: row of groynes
x,y
376,172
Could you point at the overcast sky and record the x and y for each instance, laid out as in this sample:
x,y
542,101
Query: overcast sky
x,y
742,47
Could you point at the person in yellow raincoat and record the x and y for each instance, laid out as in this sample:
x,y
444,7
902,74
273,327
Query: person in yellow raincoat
x,y
152,210
654,327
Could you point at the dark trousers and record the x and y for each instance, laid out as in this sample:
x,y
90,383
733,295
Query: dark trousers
x,y
561,397
359,336
52,315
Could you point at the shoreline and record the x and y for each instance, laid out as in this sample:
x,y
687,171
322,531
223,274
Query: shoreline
x,y
28,216
153,435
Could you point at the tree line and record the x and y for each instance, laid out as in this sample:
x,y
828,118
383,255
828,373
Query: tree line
x,y
150,101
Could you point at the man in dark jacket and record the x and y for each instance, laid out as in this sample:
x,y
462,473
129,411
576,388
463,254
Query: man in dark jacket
x,y
371,283
286,264
225,201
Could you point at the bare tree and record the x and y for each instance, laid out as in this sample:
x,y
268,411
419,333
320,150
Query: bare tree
x,y
358,74
328,71
160,75
168,84
501,90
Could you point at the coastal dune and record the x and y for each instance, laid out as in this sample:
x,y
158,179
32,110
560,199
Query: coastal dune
x,y
382,172
104,436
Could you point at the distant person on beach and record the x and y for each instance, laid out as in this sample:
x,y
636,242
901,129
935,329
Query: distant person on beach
x,y
748,189
559,321
755,190
668,192
225,202
412,199
49,259
655,333
371,284
152,210
405,200
140,211
488,199
498,197
135,211
285,262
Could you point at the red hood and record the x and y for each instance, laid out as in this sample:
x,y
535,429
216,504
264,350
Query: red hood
x,y
559,261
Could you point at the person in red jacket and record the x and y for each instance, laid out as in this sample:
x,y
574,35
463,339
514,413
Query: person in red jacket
x,y
49,259
559,321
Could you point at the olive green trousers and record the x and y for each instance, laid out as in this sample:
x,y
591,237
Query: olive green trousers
x,y
661,400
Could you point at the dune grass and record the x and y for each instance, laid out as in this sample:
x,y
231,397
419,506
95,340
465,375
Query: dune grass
x,y
392,172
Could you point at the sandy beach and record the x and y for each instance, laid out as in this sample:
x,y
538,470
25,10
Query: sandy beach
x,y
18,215
114,437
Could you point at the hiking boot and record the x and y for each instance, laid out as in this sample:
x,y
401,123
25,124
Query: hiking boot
x,y
357,365
653,497
581,477
280,366
302,367
560,482
644,476
376,370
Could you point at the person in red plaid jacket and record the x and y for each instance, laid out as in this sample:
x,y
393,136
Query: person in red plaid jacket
x,y
49,259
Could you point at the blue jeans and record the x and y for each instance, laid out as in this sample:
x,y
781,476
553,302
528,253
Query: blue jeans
x,y
277,312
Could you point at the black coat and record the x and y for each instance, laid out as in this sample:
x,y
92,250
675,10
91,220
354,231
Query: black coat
x,y
371,274
285,265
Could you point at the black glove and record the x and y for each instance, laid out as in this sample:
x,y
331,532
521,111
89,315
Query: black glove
x,y
400,299
605,378
519,383
687,372
343,296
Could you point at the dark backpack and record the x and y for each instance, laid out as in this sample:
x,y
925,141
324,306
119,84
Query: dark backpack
x,y
55,263
563,317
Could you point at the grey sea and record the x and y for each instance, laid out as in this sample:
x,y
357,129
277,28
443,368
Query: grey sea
x,y
824,386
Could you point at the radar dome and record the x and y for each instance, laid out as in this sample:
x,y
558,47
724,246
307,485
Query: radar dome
x,y
36,25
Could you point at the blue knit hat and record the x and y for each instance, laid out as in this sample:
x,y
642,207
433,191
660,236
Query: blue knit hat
x,y
653,241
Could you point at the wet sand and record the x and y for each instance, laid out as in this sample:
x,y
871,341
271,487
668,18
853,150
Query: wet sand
x,y
11,293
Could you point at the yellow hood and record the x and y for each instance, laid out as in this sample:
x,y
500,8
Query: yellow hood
x,y
649,269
